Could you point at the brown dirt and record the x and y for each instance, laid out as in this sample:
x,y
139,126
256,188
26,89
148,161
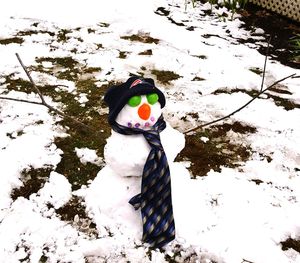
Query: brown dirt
x,y
141,38
291,243
218,151
33,181
279,28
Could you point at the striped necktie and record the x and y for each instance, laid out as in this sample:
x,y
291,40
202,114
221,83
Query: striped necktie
x,y
155,199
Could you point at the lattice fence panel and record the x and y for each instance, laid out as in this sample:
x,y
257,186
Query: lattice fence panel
x,y
289,8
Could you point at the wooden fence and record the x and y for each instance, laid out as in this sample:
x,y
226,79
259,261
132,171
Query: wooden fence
x,y
289,8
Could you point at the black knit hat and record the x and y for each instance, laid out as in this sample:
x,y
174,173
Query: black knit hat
x,y
117,96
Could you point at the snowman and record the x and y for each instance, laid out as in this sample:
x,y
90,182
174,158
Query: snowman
x,y
139,191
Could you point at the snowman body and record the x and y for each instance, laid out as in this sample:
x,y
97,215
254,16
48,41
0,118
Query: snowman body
x,y
125,157
120,180
127,154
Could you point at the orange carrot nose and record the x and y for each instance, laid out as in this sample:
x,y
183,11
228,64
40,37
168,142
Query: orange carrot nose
x,y
144,111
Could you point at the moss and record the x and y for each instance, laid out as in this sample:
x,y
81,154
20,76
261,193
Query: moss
x,y
102,24
67,62
17,84
285,103
67,68
138,74
70,65
74,207
94,93
33,180
77,173
280,91
198,79
91,70
141,38
291,243
251,93
202,57
35,24
90,30
218,151
162,11
256,70
62,35
12,40
99,46
74,50
257,181
147,52
70,166
122,54
174,22
165,76
35,32
237,127
79,39
43,259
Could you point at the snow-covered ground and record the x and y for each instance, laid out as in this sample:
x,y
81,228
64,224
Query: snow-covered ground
x,y
235,215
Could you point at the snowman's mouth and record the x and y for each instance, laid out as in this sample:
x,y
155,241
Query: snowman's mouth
x,y
142,125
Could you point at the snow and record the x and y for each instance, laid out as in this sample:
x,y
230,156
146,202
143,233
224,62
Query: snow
x,y
88,156
223,217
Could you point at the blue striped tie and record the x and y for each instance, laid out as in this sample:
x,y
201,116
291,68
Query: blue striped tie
x,y
155,198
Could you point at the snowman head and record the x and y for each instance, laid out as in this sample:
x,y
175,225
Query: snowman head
x,y
136,103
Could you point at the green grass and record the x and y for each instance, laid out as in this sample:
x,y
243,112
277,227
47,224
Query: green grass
x,y
295,47
232,5
218,151
84,79
165,76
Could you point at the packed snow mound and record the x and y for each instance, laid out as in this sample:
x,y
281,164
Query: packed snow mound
x,y
127,155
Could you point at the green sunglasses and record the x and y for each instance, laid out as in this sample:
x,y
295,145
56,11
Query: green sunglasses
x,y
136,100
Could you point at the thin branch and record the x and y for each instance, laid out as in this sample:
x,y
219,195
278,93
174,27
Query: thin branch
x,y
44,103
20,100
265,64
242,107
31,80
60,85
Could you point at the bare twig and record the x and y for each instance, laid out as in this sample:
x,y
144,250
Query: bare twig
x,y
265,65
43,102
20,100
242,107
60,85
31,80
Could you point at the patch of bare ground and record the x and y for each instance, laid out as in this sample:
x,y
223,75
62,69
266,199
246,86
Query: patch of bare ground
x,y
211,148
74,212
165,76
33,180
291,243
144,38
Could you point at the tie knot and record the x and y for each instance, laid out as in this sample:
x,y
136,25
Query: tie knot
x,y
153,139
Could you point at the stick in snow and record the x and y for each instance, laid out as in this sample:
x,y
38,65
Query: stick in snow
x,y
242,107
43,102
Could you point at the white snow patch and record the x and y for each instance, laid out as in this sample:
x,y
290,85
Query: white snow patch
x,y
88,156
235,215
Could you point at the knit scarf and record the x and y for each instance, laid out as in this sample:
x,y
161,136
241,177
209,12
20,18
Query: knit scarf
x,y
155,198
